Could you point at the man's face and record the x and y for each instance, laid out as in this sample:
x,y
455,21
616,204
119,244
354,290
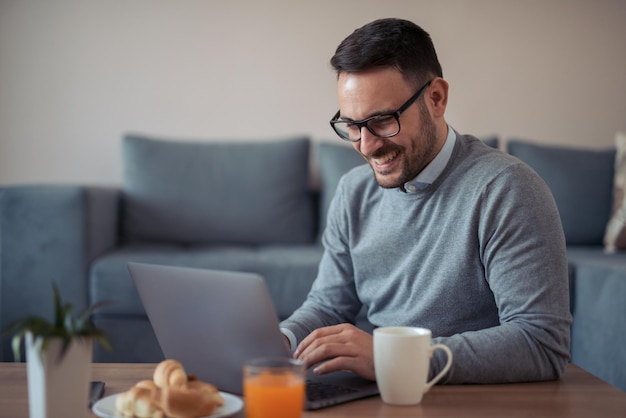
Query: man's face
x,y
398,159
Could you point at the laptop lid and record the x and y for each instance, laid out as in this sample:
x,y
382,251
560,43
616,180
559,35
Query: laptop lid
x,y
212,321
207,319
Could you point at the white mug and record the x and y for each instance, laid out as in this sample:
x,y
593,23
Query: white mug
x,y
402,361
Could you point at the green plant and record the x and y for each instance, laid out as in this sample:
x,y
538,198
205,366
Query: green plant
x,y
64,326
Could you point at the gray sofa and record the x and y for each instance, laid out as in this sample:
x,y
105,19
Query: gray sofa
x,y
249,206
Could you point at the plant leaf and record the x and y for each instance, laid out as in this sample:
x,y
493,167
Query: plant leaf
x,y
16,343
58,310
64,326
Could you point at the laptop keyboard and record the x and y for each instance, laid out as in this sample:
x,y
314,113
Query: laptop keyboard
x,y
322,390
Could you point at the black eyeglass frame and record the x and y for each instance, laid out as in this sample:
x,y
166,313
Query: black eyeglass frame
x,y
365,122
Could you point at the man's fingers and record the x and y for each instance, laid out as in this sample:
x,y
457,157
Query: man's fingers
x,y
314,337
338,347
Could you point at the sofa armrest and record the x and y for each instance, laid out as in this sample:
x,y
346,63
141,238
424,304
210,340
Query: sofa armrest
x,y
50,233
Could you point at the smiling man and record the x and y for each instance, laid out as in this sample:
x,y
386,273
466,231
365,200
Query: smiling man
x,y
440,231
372,92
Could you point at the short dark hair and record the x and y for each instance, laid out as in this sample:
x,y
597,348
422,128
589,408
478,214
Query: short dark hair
x,y
390,42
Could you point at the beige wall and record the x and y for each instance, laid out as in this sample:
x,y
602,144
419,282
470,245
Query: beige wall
x,y
76,75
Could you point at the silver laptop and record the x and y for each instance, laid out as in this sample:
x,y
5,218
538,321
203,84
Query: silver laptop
x,y
212,321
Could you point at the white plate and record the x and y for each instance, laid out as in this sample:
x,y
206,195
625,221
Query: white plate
x,y
105,407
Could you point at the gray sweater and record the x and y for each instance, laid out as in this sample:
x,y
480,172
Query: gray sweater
x,y
478,257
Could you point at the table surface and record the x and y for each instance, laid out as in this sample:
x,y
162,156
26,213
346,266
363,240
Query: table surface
x,y
577,394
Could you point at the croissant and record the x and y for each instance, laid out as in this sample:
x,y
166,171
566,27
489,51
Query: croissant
x,y
169,373
140,402
209,392
171,394
185,402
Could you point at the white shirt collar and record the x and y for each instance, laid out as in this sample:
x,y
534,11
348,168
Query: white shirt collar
x,y
430,173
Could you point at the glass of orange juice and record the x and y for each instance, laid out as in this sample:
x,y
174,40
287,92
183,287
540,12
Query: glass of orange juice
x,y
273,387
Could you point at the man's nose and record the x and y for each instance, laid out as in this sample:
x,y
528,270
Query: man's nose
x,y
369,143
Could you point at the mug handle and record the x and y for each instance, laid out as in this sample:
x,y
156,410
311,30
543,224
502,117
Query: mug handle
x,y
445,369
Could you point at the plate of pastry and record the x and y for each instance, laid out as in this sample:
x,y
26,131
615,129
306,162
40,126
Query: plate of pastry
x,y
105,407
171,392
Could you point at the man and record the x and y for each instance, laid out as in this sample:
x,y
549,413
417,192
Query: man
x,y
448,234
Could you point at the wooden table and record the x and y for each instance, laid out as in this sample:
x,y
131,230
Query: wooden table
x,y
577,394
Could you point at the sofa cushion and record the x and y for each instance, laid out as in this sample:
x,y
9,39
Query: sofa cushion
x,y
288,270
581,181
599,312
217,192
492,141
615,237
334,160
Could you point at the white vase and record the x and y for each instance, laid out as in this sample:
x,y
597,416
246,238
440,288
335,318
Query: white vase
x,y
58,385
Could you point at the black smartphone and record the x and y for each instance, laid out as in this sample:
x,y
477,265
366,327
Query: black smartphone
x,y
96,390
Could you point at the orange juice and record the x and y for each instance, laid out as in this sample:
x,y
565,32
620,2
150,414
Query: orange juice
x,y
270,395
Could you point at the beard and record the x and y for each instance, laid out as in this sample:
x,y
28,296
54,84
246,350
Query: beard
x,y
414,158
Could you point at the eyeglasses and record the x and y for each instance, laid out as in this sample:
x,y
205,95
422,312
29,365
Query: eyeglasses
x,y
383,126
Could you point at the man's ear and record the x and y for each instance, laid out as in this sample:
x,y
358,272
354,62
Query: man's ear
x,y
437,97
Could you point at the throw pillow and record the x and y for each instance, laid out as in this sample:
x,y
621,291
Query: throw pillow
x,y
236,192
581,182
615,237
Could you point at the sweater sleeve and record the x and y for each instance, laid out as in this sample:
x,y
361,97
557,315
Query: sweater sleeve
x,y
333,298
522,246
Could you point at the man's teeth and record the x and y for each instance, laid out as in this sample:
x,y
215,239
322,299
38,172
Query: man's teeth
x,y
386,158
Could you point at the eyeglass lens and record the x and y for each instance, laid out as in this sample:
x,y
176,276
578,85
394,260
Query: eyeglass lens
x,y
382,126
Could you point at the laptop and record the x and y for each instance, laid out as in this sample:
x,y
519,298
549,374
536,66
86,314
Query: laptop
x,y
212,321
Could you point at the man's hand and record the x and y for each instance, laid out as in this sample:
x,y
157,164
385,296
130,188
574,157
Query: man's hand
x,y
338,347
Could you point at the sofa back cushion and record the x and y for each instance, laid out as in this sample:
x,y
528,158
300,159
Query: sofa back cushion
x,y
581,181
217,192
334,160
492,141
